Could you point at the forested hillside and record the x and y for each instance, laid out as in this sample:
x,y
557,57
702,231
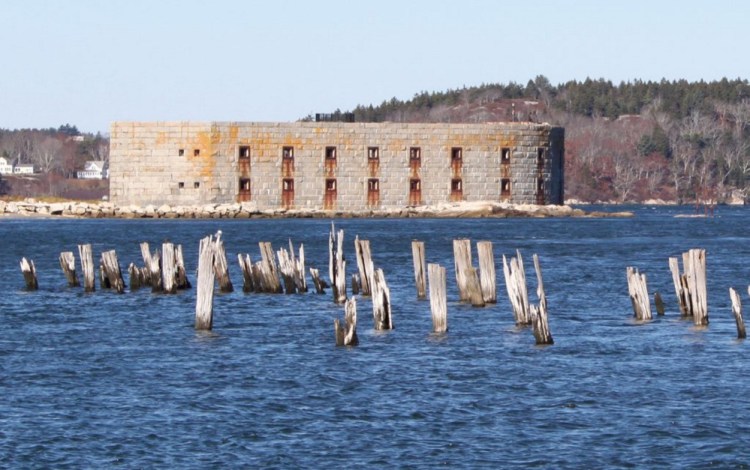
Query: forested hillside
x,y
635,141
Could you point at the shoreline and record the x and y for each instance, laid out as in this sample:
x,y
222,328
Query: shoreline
x,y
477,209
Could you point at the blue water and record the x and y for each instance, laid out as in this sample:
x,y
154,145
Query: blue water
x,y
104,380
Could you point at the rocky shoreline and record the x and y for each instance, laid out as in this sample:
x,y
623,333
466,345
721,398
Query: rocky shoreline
x,y
78,209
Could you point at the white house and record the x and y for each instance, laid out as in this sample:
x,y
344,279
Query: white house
x,y
94,170
5,167
23,169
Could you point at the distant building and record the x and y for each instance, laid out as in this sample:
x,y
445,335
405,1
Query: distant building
x,y
23,169
94,170
5,167
335,165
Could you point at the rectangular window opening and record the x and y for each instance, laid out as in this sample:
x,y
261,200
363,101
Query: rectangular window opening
x,y
415,184
331,184
415,154
505,187
287,153
196,185
456,185
196,152
244,152
245,184
287,185
505,155
181,184
330,153
373,153
181,152
373,184
457,154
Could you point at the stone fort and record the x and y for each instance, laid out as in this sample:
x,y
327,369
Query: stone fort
x,y
337,166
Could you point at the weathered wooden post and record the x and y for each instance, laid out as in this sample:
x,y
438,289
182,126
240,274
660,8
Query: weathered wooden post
x,y
638,291
381,302
87,267
438,298
487,271
153,267
298,264
690,286
68,265
737,311
220,265
364,258
515,283
356,284
317,282
182,279
136,277
288,271
205,285
337,265
246,267
659,303
466,275
112,271
417,254
29,274
539,314
347,335
269,269
168,268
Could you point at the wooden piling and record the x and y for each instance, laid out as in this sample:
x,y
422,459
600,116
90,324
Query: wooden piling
x,y
136,276
29,274
737,311
418,259
438,298
515,283
356,283
68,265
337,265
381,302
638,291
86,256
288,271
182,279
269,270
220,265
659,304
298,263
364,258
487,272
467,278
246,267
112,271
690,286
539,313
346,335
205,285
168,268
317,282
152,262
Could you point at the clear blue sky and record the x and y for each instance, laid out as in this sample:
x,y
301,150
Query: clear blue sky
x,y
90,62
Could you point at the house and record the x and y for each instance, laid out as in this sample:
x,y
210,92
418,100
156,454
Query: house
x,y
94,170
23,169
5,167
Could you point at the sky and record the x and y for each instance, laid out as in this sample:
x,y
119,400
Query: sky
x,y
90,62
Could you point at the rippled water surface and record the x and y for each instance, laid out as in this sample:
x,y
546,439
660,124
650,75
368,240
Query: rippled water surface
x,y
101,380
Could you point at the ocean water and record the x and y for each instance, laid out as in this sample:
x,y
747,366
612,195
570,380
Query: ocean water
x,y
100,380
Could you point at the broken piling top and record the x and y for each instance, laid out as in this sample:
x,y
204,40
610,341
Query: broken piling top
x,y
29,274
638,292
346,335
438,298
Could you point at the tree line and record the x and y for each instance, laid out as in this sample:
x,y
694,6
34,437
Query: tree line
x,y
631,142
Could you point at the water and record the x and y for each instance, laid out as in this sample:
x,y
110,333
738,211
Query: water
x,y
103,380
